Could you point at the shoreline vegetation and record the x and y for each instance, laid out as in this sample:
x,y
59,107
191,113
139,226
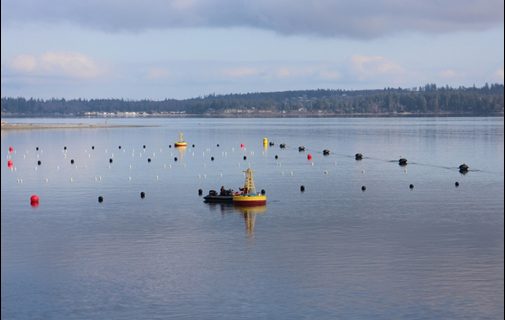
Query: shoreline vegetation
x,y
429,100
29,126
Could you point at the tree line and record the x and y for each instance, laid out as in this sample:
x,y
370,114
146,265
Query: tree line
x,y
426,100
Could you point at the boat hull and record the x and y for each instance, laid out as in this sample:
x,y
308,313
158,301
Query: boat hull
x,y
218,199
246,201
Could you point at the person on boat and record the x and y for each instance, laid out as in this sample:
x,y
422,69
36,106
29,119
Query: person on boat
x,y
222,192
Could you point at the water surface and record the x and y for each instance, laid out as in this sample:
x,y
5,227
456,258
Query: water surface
x,y
333,251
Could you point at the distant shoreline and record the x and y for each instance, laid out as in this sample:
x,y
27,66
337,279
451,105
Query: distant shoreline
x,y
29,126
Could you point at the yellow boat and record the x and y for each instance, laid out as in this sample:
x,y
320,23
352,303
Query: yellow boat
x,y
248,195
180,142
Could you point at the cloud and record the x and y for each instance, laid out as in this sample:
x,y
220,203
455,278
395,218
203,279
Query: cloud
x,y
448,74
332,18
499,74
241,72
67,64
155,73
366,67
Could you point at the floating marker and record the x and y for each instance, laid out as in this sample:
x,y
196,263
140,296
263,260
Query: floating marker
x,y
142,195
358,156
241,145
110,160
72,161
148,159
39,162
263,191
175,158
34,200
193,145
92,147
245,158
37,148
211,158
200,192
217,145
65,148
363,188
402,162
456,184
309,157
119,147
411,186
144,146
10,164
11,149
276,157
100,199
302,188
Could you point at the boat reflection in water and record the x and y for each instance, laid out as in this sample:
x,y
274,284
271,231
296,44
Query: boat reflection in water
x,y
248,213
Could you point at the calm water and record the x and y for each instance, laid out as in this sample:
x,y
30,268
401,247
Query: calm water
x,y
331,252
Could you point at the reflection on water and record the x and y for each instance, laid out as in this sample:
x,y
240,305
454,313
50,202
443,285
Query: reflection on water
x,y
248,213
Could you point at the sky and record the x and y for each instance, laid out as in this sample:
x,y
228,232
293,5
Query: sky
x,y
160,49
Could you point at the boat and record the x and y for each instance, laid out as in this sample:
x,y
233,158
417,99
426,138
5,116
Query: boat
x,y
181,142
224,196
248,195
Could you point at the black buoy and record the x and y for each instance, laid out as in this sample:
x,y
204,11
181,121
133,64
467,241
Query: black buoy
x,y
144,146
456,184
363,188
326,152
170,146
282,146
271,143
65,148
193,145
301,148
200,192
72,161
358,156
276,157
302,188
119,147
39,162
92,147
402,162
211,158
37,148
100,199
110,160
175,158
263,191
217,145
142,195
245,158
463,168
411,186
148,159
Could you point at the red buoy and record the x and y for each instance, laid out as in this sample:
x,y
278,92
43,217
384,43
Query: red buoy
x,y
34,200
10,164
11,149
309,157
241,145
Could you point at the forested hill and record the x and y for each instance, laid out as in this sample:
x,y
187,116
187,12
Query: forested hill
x,y
427,100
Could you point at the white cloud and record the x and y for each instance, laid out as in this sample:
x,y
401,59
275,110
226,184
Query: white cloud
x,y
499,74
241,72
449,74
366,67
23,63
68,64
157,73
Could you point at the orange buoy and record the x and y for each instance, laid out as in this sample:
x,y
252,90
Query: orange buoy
x,y
34,200
309,157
